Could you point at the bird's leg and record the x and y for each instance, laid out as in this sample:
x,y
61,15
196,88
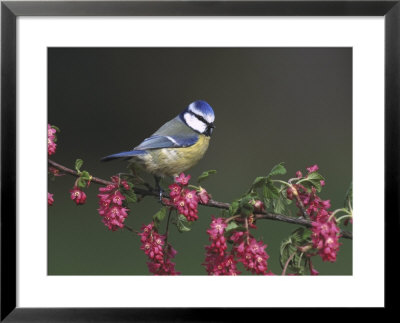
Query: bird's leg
x,y
158,187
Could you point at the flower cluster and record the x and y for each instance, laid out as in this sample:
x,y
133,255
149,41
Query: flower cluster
x,y
50,199
159,253
111,204
250,252
246,249
183,199
325,236
78,196
325,232
216,262
51,138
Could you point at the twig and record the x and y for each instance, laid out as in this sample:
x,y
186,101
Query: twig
x,y
211,203
287,263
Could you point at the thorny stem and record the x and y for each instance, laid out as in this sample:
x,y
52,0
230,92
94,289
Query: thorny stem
x,y
211,203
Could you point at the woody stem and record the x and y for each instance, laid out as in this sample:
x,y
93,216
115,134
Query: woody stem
x,y
211,203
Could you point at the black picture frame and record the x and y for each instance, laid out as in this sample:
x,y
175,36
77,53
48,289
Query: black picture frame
x,y
10,10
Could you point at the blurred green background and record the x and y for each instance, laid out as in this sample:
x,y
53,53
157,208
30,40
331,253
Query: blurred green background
x,y
271,104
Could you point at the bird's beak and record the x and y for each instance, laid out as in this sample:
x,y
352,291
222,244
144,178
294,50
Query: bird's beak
x,y
212,125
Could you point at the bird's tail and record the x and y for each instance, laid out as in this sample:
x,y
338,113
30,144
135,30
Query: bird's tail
x,y
124,155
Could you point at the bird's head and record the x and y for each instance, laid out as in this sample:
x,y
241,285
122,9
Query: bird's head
x,y
200,117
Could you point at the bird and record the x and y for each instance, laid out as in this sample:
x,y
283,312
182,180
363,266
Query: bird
x,y
175,147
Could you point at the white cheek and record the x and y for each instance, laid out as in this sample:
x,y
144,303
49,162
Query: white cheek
x,y
195,123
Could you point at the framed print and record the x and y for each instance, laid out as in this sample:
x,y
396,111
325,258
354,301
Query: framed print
x,y
195,151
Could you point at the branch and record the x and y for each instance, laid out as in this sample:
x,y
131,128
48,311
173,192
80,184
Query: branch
x,y
211,203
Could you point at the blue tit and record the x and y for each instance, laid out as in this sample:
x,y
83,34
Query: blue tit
x,y
177,146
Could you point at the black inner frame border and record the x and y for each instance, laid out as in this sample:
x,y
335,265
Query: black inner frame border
x,y
9,13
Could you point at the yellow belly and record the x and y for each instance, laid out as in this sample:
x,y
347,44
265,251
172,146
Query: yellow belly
x,y
173,161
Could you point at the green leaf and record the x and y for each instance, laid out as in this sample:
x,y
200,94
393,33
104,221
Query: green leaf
x,y
298,238
78,165
315,176
130,196
277,170
182,224
130,184
246,210
313,180
206,174
246,207
85,175
159,216
285,250
306,235
312,183
81,182
270,191
232,225
233,208
224,213
301,236
279,206
284,195
259,182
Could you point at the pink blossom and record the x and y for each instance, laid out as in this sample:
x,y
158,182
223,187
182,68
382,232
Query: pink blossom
x,y
51,147
325,236
51,132
50,199
325,232
158,253
51,138
118,198
251,254
184,200
78,196
182,179
175,190
216,261
299,174
204,197
55,171
259,206
217,227
312,169
111,202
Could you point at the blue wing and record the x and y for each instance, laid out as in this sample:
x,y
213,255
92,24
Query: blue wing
x,y
173,134
124,155
174,141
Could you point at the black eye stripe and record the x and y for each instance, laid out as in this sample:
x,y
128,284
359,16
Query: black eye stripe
x,y
200,118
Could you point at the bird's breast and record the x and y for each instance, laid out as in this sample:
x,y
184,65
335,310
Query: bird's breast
x,y
173,161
